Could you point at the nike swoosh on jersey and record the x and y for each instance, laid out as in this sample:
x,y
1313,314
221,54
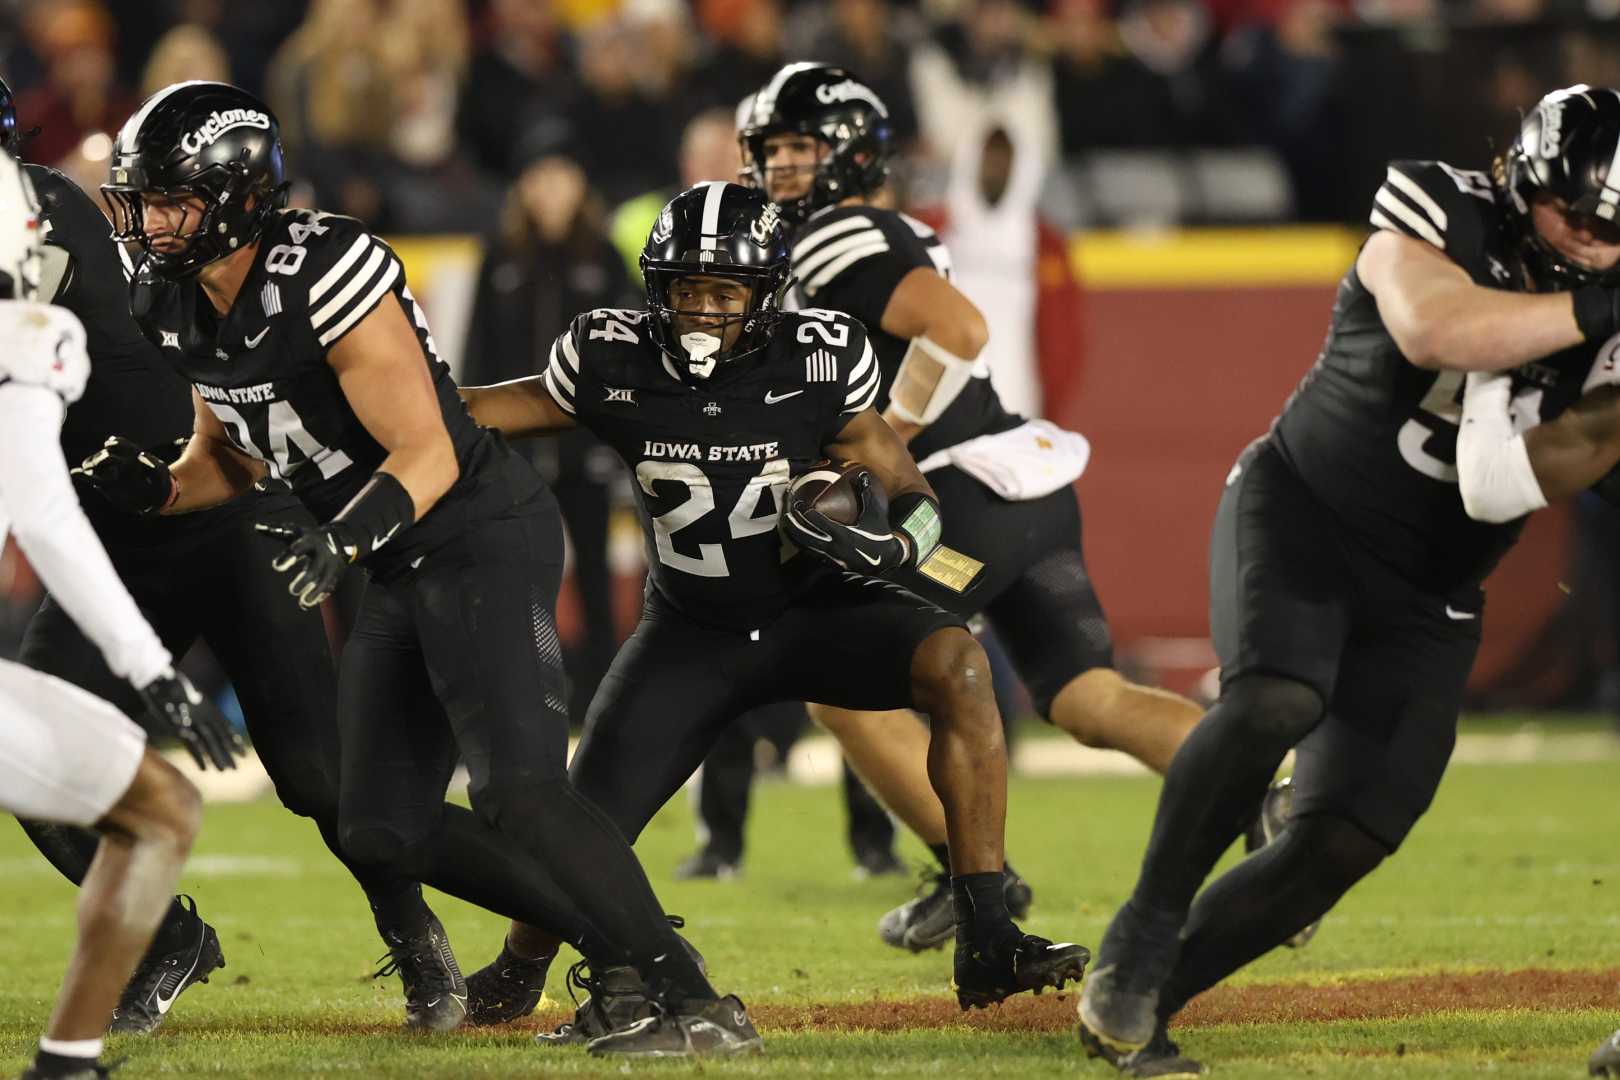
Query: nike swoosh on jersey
x,y
870,559
1460,616
772,397
253,342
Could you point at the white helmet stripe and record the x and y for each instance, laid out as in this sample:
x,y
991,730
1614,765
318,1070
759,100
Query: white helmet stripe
x,y
711,214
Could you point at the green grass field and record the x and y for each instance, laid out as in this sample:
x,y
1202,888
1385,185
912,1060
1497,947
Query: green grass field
x,y
1517,867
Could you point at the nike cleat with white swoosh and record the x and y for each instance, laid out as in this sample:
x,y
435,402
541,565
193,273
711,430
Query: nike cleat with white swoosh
x,y
163,977
697,1029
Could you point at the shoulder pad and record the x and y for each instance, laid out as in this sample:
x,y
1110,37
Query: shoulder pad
x,y
43,345
833,348
1433,202
333,266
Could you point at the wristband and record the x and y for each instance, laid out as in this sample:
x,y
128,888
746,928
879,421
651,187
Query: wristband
x,y
914,516
377,512
1595,312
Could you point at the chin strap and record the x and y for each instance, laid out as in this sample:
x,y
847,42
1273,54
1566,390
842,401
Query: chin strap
x,y
700,353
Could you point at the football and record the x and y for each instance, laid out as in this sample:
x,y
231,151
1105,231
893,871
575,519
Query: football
x,y
830,488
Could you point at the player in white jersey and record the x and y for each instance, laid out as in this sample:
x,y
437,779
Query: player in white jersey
x,y
65,755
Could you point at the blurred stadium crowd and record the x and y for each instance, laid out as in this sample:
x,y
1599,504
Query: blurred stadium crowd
x,y
417,114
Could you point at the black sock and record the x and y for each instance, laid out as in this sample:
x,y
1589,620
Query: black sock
x,y
49,1064
400,911
1266,899
980,901
942,852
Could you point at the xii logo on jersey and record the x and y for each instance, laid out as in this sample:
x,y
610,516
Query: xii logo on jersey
x,y
171,338
616,396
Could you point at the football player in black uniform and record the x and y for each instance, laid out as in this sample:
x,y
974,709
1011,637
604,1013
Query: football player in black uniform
x,y
232,599
817,141
1345,570
312,365
714,396
229,589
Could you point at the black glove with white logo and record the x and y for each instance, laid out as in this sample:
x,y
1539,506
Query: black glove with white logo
x,y
128,477
317,556
869,546
200,727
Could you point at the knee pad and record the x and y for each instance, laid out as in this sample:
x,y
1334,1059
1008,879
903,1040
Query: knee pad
x,y
1273,706
1337,851
382,846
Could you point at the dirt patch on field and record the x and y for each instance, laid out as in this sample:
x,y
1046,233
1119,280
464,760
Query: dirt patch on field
x,y
1533,990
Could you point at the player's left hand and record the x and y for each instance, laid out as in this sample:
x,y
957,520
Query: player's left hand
x,y
869,546
317,556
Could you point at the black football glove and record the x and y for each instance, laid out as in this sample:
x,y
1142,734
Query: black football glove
x,y
317,556
128,477
204,732
867,547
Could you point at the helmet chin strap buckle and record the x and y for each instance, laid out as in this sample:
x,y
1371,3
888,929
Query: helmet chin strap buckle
x,y
700,353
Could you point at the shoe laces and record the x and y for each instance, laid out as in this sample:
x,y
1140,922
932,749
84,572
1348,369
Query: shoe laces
x,y
420,963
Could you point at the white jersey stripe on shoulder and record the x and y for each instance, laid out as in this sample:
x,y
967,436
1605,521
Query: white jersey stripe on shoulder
x,y
864,398
1414,221
560,378
334,275
570,355
1411,190
356,282
1380,221
806,265
710,226
129,264
803,246
842,263
364,307
858,373
565,403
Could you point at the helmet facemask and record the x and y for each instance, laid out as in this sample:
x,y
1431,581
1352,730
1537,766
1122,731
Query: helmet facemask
x,y
232,216
845,165
700,344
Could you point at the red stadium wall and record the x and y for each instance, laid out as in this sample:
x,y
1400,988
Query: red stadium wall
x,y
1180,374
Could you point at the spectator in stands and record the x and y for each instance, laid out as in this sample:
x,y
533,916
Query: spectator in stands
x,y
188,51
642,145
871,38
983,65
708,152
549,260
80,95
746,49
518,76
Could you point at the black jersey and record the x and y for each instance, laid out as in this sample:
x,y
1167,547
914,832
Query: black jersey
x,y
851,259
1375,437
712,458
132,391
262,367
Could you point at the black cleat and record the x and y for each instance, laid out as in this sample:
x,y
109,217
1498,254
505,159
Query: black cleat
x,y
1605,1060
1160,1059
507,988
161,979
1114,1019
705,865
1276,810
929,920
1032,963
435,992
715,1027
615,999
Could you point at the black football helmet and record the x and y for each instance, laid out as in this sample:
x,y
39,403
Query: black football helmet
x,y
717,230
836,107
207,139
8,118
1568,146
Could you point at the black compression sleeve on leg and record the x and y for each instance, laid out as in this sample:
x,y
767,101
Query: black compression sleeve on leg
x,y
1266,899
